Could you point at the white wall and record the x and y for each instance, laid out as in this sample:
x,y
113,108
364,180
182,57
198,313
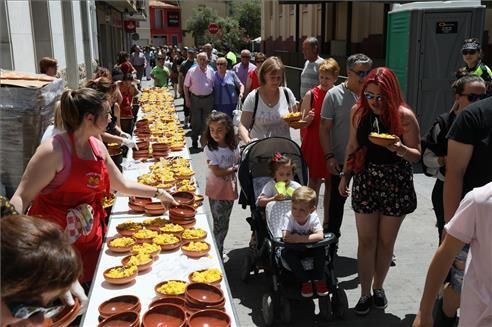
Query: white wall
x,y
57,33
77,25
21,35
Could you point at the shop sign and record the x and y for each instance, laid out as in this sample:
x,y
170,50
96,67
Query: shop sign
x,y
447,27
173,19
130,26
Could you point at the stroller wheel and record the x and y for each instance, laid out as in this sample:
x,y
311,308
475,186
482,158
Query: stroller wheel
x,y
339,303
285,313
268,308
325,308
245,273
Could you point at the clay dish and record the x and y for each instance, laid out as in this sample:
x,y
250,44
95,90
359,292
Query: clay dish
x,y
216,283
184,197
206,318
119,281
188,223
168,315
160,147
129,318
119,304
167,300
119,249
155,209
169,295
66,316
140,201
205,294
141,267
201,238
135,207
170,246
381,141
182,210
143,145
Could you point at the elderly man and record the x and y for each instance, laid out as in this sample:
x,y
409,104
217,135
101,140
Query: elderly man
x,y
244,67
212,58
183,70
309,75
198,90
334,132
139,62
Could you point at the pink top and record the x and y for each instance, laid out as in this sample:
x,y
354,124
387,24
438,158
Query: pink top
x,y
472,224
199,82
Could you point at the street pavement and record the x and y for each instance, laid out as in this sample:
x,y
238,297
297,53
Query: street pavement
x,y
414,248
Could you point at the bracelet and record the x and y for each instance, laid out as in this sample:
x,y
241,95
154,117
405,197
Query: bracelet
x,y
329,155
401,155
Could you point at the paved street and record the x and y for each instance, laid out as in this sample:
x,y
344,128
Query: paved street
x,y
414,249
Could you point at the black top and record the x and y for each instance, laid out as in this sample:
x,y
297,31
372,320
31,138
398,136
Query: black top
x,y
474,126
375,153
439,145
111,128
185,66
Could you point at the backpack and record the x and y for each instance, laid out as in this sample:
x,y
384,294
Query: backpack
x,y
440,146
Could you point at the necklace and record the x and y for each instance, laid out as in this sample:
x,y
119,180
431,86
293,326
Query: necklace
x,y
270,101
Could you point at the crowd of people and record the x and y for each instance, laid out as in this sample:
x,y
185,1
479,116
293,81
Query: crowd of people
x,y
70,172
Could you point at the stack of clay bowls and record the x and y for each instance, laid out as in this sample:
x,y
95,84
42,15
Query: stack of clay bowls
x,y
183,215
160,150
201,296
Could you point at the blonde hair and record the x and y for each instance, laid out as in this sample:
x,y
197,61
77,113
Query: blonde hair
x,y
330,65
272,64
58,122
305,195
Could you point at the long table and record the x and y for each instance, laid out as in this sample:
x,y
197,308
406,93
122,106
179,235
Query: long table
x,y
174,265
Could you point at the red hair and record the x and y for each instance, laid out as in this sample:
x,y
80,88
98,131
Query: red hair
x,y
392,99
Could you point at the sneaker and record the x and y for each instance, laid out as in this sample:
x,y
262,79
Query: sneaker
x,y
393,260
363,306
320,287
380,301
194,144
307,289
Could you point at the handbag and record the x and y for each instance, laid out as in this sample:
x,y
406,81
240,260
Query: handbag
x,y
236,114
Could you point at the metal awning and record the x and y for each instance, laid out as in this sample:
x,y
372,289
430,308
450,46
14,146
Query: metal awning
x,y
291,2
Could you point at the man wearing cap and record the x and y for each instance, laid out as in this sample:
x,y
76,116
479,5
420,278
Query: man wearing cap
x,y
474,65
183,69
244,67
198,91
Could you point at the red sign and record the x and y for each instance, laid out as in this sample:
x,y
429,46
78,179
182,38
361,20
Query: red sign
x,y
130,26
213,28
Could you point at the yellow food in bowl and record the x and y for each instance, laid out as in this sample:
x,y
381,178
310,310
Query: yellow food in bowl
x,y
122,242
206,276
129,225
196,246
145,233
163,239
190,188
382,135
192,233
156,221
173,228
292,115
122,271
145,248
139,259
172,287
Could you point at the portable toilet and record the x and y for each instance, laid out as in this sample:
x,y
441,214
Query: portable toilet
x,y
424,43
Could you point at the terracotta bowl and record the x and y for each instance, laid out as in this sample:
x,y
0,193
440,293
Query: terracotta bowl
x,y
292,119
125,231
141,267
142,122
119,281
66,316
119,249
198,198
160,147
195,254
216,283
182,210
184,197
184,223
141,153
170,246
177,148
129,318
201,238
193,306
136,208
169,315
205,294
175,233
143,145
158,155
381,141
169,295
153,254
167,300
209,317
157,224
119,304
141,240
140,201
155,209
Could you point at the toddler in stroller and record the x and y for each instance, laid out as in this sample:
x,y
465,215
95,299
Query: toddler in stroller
x,y
299,255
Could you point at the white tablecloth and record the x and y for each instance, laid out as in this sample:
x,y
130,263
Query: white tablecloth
x,y
174,265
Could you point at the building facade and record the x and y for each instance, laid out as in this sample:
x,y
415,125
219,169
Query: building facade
x,y
165,24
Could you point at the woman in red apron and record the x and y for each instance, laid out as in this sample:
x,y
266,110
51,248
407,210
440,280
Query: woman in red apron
x,y
68,175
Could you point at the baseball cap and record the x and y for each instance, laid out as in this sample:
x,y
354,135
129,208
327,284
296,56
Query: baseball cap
x,y
471,44
191,50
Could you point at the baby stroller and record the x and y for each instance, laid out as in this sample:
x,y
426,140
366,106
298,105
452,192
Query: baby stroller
x,y
253,174
284,285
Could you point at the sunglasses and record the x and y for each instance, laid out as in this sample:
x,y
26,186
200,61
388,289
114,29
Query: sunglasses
x,y
370,96
468,52
25,311
472,97
259,61
361,73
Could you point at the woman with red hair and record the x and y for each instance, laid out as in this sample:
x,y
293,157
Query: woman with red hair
x,y
382,191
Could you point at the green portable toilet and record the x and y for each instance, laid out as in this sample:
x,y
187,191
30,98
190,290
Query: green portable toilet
x,y
423,48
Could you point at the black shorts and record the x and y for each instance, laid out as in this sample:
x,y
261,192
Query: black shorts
x,y
387,189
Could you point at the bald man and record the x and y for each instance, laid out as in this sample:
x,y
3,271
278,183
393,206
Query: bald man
x,y
244,67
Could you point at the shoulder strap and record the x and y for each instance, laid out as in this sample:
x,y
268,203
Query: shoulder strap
x,y
257,98
286,96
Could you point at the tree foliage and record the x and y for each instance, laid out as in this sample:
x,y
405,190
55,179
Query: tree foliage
x,y
198,23
248,14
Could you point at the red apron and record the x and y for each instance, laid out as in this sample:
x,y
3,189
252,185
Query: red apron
x,y
87,182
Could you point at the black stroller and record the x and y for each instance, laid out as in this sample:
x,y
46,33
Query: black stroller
x,y
266,226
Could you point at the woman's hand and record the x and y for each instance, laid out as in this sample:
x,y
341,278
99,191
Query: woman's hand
x,y
333,166
398,147
309,117
77,291
165,197
423,320
343,188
